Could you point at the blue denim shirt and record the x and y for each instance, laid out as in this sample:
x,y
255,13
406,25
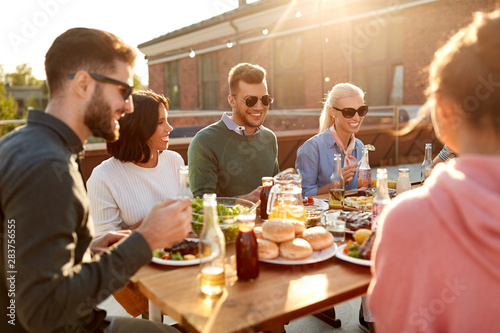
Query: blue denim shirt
x,y
315,162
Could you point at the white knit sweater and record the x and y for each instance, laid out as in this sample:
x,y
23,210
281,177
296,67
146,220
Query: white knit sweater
x,y
122,193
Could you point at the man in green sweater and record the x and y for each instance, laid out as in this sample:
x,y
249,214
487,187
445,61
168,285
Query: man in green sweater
x,y
231,156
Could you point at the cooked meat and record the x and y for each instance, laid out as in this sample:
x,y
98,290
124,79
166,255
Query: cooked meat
x,y
184,247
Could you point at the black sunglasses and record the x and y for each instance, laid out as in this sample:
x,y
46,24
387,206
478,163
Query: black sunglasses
x,y
252,100
350,112
126,92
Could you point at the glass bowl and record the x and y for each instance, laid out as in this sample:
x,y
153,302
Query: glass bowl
x,y
227,222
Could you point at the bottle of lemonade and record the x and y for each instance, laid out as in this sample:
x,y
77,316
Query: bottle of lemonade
x,y
212,249
337,185
364,172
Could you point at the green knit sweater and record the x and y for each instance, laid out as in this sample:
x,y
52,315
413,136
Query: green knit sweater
x,y
228,164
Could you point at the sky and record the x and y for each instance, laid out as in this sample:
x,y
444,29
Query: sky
x,y
28,27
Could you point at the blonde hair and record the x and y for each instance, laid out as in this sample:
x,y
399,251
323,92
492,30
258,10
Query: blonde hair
x,y
339,91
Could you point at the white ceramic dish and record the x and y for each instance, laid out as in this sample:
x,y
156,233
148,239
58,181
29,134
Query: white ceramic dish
x,y
177,262
321,204
317,256
341,255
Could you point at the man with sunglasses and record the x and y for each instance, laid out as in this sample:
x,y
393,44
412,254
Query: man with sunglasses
x,y
58,273
230,157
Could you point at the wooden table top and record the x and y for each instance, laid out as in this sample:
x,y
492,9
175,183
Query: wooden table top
x,y
281,293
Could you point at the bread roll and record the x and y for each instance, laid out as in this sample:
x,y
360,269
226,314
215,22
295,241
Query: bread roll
x,y
267,249
318,237
258,232
278,231
296,249
298,226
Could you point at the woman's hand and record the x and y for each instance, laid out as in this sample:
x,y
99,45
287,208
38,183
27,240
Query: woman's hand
x,y
348,172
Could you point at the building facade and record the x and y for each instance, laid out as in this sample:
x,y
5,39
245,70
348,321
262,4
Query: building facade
x,y
307,46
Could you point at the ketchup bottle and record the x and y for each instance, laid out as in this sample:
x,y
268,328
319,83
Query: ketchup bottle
x,y
247,254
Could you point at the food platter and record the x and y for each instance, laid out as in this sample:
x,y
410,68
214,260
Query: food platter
x,y
177,262
317,256
341,255
318,204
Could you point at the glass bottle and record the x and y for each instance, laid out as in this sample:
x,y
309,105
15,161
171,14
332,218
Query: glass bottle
x,y
212,249
247,254
404,183
364,173
381,197
267,184
427,164
184,191
337,185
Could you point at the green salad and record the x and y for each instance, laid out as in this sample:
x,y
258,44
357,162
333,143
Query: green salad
x,y
225,213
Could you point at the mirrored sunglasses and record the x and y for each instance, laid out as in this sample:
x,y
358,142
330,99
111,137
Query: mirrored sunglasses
x,y
252,100
350,112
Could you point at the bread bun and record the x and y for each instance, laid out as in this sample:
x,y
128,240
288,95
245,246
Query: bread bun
x,y
298,226
278,231
267,249
296,249
318,237
258,232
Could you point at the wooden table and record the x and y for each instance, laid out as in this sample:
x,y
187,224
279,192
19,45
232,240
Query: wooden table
x,y
280,294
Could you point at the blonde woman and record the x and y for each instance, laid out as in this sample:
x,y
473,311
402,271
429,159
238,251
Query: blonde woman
x,y
341,118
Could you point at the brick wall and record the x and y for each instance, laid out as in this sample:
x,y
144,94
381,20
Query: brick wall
x,y
426,28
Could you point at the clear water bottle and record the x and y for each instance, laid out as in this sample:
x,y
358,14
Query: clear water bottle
x,y
364,173
427,164
184,191
404,183
337,185
212,249
381,197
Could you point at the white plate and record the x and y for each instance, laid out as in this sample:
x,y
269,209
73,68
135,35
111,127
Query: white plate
x,y
318,204
341,255
321,204
317,256
177,262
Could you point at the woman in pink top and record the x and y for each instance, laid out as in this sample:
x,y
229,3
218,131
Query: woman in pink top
x,y
437,253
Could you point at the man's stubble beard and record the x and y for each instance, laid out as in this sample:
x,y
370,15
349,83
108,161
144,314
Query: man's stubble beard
x,y
98,118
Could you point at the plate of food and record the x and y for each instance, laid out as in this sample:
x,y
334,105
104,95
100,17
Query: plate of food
x,y
184,253
311,202
343,256
363,203
359,250
317,256
355,220
287,242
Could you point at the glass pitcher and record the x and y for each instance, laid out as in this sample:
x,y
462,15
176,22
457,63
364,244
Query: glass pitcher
x,y
285,198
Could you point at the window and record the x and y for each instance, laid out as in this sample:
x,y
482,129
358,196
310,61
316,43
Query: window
x,y
209,81
289,73
377,60
172,84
